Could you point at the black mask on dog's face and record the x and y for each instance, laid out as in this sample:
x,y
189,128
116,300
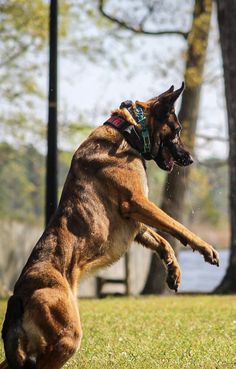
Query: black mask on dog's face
x,y
172,153
167,147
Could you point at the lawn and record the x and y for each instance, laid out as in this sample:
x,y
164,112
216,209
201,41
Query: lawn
x,y
156,332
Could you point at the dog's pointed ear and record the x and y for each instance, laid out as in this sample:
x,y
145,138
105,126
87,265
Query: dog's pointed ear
x,y
165,102
175,94
166,93
171,89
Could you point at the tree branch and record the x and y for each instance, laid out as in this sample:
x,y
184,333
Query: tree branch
x,y
15,55
140,29
147,15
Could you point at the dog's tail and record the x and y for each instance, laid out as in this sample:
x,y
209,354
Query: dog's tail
x,y
14,337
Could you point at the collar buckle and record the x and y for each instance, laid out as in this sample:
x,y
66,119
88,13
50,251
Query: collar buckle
x,y
144,130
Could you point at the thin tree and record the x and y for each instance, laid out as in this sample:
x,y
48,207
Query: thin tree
x,y
177,181
227,27
51,165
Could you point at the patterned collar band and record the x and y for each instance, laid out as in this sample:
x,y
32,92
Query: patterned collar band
x,y
139,139
140,118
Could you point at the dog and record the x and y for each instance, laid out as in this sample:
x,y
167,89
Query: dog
x,y
103,208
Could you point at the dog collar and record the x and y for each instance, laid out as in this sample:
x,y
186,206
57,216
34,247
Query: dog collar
x,y
141,143
144,130
130,133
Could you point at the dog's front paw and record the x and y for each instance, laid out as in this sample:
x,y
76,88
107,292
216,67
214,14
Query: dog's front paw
x,y
173,276
210,255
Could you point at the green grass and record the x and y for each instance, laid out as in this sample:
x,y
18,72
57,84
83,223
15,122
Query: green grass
x,y
181,332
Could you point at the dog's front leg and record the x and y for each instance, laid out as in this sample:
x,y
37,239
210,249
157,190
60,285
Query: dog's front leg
x,y
144,211
150,239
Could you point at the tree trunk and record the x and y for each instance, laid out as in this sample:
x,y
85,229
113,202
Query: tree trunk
x,y
227,26
176,181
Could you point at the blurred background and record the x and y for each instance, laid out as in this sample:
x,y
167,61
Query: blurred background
x,y
108,52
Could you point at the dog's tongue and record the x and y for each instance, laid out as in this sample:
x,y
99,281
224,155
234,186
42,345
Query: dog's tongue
x,y
165,160
168,158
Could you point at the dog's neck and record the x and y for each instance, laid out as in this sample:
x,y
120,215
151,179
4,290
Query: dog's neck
x,y
131,122
136,115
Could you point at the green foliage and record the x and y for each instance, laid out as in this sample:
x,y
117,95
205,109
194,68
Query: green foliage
x,y
24,36
156,333
197,43
22,176
24,29
207,194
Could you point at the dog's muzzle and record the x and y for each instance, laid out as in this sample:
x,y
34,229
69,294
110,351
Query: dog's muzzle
x,y
181,156
171,153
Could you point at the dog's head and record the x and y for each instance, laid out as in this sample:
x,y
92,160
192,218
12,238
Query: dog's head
x,y
165,128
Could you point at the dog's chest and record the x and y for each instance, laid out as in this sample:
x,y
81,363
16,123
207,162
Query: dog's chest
x,y
123,231
120,239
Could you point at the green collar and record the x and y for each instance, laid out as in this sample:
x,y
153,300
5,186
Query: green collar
x,y
144,130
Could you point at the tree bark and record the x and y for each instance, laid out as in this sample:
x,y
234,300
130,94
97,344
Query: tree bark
x,y
227,26
176,181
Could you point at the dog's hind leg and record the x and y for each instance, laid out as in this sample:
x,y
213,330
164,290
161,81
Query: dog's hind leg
x,y
53,326
14,337
56,357
150,239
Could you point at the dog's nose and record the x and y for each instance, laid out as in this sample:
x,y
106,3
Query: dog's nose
x,y
190,160
185,160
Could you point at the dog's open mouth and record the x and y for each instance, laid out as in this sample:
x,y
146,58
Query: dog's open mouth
x,y
171,153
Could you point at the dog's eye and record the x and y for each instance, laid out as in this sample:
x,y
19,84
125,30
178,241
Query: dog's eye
x,y
178,130
174,130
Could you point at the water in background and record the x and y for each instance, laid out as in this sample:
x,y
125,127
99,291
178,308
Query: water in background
x,y
198,276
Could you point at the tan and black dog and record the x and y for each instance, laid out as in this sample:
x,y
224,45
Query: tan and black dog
x,y
103,208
